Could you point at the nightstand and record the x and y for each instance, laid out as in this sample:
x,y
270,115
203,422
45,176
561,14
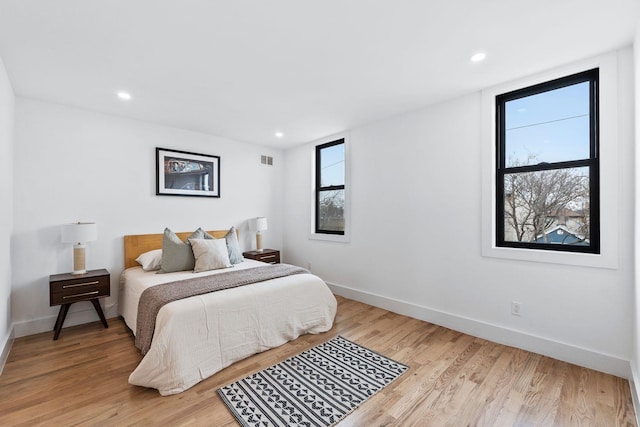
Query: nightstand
x,y
271,256
67,288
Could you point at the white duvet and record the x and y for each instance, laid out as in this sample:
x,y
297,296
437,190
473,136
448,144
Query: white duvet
x,y
198,336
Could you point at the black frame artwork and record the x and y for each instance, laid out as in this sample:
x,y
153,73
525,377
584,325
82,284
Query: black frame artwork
x,y
182,173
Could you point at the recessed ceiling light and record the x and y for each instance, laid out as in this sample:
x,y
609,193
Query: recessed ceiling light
x,y
125,96
279,134
479,57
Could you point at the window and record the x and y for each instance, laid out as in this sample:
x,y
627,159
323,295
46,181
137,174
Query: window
x,y
330,188
547,170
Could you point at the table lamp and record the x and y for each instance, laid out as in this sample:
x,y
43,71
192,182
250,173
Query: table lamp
x,y
258,225
78,233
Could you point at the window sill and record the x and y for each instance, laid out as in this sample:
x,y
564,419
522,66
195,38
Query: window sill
x,y
330,237
552,257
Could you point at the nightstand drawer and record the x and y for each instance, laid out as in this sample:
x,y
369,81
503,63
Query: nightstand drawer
x,y
79,289
270,256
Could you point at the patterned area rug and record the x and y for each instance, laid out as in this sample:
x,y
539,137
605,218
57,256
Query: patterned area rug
x,y
318,387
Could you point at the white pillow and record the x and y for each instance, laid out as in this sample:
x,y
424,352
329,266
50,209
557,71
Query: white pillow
x,y
210,254
150,261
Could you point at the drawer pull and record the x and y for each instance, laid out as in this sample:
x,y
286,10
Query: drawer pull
x,y
81,295
80,284
267,256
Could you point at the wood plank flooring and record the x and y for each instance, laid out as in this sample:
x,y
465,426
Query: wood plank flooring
x,y
454,380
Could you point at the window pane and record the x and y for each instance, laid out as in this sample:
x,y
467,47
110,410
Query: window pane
x,y
549,206
332,165
331,210
552,126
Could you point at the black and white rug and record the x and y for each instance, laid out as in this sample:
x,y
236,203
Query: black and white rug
x,y
318,387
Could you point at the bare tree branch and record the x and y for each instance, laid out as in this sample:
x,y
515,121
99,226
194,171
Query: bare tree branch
x,y
534,201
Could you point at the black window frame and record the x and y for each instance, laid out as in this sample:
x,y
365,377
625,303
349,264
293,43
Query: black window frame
x,y
319,188
592,163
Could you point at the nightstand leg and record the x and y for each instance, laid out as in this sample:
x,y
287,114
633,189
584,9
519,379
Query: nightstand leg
x,y
64,308
96,305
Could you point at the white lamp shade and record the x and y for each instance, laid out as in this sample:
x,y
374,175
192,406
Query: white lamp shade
x,y
259,224
79,232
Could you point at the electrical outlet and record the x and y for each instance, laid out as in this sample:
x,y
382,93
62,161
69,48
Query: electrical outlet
x,y
516,308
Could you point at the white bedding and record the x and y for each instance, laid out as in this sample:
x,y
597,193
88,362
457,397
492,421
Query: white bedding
x,y
198,336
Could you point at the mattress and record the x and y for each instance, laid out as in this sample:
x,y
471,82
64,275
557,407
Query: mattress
x,y
198,336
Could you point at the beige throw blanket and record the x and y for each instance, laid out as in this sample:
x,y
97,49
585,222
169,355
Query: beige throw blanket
x,y
154,298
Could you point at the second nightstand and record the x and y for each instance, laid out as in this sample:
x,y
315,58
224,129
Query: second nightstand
x,y
270,256
67,288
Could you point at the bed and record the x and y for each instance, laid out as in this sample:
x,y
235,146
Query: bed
x,y
196,337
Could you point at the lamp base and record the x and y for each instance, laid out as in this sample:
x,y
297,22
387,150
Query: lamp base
x,y
259,242
79,260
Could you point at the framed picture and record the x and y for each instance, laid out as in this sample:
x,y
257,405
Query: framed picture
x,y
180,173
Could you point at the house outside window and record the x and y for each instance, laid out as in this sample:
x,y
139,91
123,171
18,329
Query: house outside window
x,y
330,188
547,166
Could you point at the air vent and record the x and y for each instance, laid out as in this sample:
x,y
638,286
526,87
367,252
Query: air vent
x,y
266,160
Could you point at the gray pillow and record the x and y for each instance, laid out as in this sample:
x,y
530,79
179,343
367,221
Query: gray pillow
x,y
176,254
233,246
205,234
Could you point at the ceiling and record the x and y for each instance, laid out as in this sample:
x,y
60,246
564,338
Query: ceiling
x,y
246,69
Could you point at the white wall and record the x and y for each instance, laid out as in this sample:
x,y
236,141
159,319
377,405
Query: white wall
x,y
635,359
7,101
73,164
416,239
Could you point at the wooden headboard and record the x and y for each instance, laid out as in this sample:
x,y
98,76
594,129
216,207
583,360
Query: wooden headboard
x,y
137,244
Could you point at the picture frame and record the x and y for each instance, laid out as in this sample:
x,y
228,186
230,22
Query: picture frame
x,y
182,173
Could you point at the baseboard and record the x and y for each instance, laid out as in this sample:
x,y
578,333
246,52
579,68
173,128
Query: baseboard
x,y
634,383
86,314
557,350
6,348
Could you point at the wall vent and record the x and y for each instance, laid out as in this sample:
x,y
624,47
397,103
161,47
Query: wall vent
x,y
266,160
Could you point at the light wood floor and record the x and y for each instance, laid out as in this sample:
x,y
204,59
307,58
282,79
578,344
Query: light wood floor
x,y
454,380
